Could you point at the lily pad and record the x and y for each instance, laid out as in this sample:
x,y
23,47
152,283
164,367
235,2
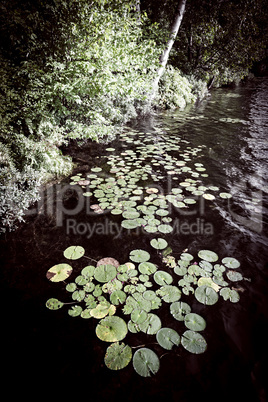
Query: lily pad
x,y
75,311
102,309
159,244
167,338
208,282
139,255
146,362
151,325
208,255
230,262
163,278
179,310
193,342
118,356
169,293
59,272
104,273
147,268
111,329
118,297
195,322
230,294
138,316
74,252
206,295
54,304
234,276
225,195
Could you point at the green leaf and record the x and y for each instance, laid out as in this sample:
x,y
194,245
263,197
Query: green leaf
x,y
167,338
59,272
230,294
75,311
146,362
151,325
230,262
147,268
118,356
139,255
234,276
159,244
118,297
193,342
104,273
208,255
195,322
138,316
163,278
54,304
74,252
179,310
111,329
169,293
206,295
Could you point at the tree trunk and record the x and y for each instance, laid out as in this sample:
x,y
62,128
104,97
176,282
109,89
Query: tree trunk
x,y
165,55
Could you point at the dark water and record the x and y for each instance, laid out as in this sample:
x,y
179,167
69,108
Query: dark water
x,y
51,351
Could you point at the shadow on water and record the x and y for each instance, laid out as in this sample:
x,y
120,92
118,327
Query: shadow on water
x,y
51,350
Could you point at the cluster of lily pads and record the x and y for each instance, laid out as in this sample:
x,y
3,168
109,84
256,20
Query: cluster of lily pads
x,y
129,184
126,298
135,290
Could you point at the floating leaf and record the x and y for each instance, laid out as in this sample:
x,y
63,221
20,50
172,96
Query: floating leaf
x,y
164,228
75,311
206,295
146,362
234,276
208,196
139,255
138,316
151,325
118,297
225,195
208,282
193,342
195,322
54,304
147,268
102,309
186,257
59,272
71,287
118,356
88,271
230,262
167,338
111,329
158,244
179,310
230,294
163,278
169,293
130,223
104,273
208,255
74,252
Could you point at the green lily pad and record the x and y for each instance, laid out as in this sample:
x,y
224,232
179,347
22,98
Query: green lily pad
x,y
88,271
59,272
234,276
139,255
164,228
208,282
118,297
163,278
102,309
230,294
131,214
138,316
225,195
230,262
167,338
151,325
117,356
193,342
208,255
147,268
111,329
54,304
146,362
206,295
75,311
71,287
74,252
159,244
130,223
104,273
179,310
186,257
195,322
169,293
